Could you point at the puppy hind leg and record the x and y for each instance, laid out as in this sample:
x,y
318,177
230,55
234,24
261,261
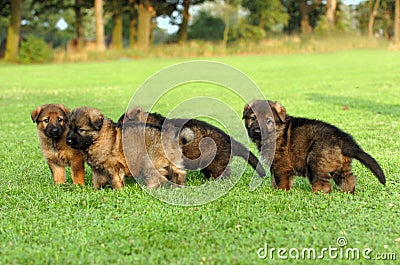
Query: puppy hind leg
x,y
319,166
227,172
206,173
321,184
320,180
219,171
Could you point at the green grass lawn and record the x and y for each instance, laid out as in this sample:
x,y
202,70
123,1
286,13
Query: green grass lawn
x,y
44,224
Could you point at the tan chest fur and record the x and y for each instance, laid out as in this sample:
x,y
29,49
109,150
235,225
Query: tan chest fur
x,y
57,151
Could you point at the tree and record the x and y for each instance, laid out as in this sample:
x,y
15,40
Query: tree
x,y
397,22
305,17
183,29
379,21
146,12
206,27
117,27
229,6
79,27
373,13
133,18
11,54
43,12
265,14
178,12
330,13
98,11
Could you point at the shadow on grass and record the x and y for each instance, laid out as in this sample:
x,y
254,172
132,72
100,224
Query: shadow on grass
x,y
357,103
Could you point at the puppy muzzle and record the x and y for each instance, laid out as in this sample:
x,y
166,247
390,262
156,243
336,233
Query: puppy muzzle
x,y
255,133
54,132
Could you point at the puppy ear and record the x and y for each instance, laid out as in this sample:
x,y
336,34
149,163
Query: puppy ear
x,y
246,110
121,119
36,112
135,114
280,110
96,121
66,110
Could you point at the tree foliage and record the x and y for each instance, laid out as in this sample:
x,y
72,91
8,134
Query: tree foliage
x,y
383,24
134,21
34,50
266,14
207,27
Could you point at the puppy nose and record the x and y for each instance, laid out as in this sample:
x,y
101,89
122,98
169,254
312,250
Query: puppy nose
x,y
69,141
257,130
54,130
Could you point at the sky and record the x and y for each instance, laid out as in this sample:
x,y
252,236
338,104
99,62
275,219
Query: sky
x,y
352,2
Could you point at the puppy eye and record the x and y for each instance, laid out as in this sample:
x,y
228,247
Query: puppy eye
x,y
252,118
60,119
80,130
46,120
269,122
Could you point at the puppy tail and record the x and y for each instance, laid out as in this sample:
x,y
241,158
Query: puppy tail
x,y
357,153
240,150
186,136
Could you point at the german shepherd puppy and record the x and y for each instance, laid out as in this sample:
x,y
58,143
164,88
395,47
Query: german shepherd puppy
x,y
306,147
51,120
150,161
211,148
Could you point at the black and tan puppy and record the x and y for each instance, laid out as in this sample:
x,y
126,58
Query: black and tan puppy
x,y
149,160
51,120
211,148
306,147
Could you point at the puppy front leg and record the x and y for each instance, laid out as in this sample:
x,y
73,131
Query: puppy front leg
x,y
282,179
177,175
99,179
78,171
58,173
117,180
155,178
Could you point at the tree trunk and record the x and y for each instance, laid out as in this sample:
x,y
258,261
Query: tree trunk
x,y
12,45
330,13
79,27
183,29
117,28
98,12
397,22
305,19
261,22
146,13
372,15
227,7
133,16
227,27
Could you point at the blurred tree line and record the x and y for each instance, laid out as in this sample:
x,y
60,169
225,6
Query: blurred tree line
x,y
101,24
